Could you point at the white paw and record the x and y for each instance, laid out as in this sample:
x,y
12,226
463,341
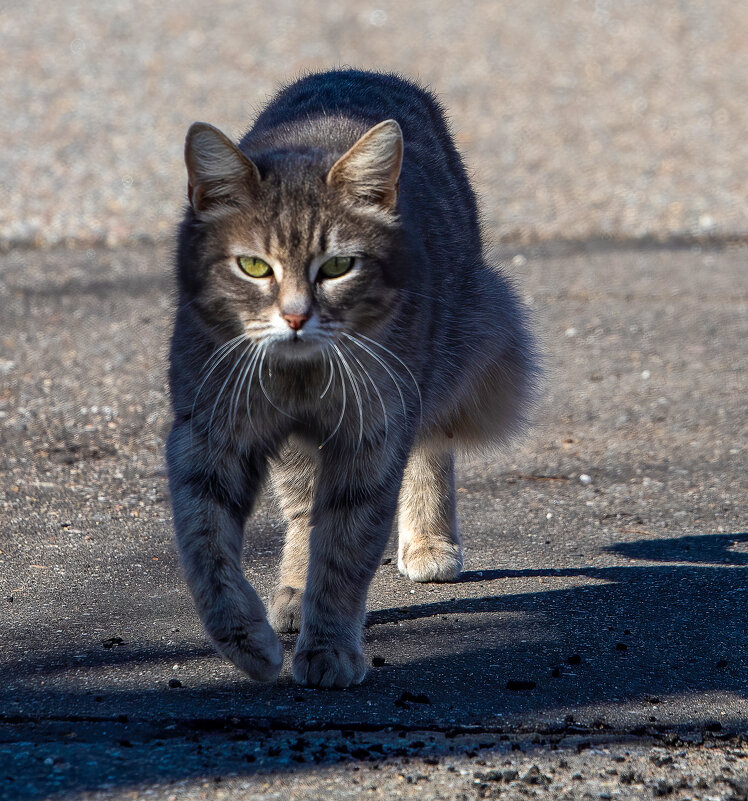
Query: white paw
x,y
433,561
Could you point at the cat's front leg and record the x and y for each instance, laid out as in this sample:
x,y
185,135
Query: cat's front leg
x,y
212,495
294,477
351,522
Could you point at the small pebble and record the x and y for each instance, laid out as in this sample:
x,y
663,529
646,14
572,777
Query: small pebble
x,y
174,683
585,479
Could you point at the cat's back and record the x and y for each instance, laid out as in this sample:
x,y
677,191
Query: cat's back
x,y
330,110
366,96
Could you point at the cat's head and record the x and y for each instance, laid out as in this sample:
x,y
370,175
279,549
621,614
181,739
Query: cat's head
x,y
294,245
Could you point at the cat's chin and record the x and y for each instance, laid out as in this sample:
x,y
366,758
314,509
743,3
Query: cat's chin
x,y
296,348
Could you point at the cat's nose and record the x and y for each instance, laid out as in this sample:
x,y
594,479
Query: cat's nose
x,y
295,321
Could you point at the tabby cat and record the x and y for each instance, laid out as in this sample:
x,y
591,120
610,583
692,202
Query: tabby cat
x,y
338,330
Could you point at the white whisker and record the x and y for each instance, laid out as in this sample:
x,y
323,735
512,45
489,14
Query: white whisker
x,y
237,391
329,380
363,372
216,357
386,367
218,396
262,385
357,394
395,356
342,411
248,400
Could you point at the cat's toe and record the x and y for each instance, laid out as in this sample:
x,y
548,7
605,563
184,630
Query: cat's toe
x,y
285,610
329,667
432,561
253,647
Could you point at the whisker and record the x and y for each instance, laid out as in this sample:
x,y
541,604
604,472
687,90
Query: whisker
x,y
218,397
248,401
264,390
357,394
349,353
342,411
395,356
237,391
363,372
329,380
386,367
219,355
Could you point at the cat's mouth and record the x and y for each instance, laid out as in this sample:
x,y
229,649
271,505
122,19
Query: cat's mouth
x,y
296,345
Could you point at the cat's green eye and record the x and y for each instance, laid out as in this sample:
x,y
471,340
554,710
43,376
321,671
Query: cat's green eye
x,y
257,268
336,266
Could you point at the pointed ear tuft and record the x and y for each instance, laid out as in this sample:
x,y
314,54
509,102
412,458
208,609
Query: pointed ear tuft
x,y
369,172
217,170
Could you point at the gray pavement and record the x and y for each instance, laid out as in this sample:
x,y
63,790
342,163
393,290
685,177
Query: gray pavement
x,y
579,119
606,617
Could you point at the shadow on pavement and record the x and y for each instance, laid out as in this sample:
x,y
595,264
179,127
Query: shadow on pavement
x,y
622,649
729,549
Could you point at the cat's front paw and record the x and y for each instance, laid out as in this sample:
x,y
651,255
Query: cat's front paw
x,y
430,561
285,610
252,646
329,667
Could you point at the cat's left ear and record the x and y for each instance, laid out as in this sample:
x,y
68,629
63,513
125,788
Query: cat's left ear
x,y
218,172
369,172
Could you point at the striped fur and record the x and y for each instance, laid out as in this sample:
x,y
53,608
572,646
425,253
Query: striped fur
x,y
420,350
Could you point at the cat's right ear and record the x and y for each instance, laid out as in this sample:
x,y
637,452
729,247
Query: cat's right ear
x,y
217,170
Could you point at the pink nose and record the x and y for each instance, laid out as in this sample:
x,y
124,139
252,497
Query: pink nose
x,y
295,321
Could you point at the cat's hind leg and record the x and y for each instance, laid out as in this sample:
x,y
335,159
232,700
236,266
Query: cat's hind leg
x,y
294,479
429,546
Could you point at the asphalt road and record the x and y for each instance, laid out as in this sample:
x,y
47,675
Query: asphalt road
x,y
607,611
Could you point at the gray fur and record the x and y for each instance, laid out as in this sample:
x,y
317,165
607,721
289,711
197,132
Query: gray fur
x,y
420,351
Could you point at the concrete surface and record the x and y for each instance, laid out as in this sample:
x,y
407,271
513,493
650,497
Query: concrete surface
x,y
618,603
580,119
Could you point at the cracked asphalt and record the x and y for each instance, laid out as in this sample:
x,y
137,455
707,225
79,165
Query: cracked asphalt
x,y
596,645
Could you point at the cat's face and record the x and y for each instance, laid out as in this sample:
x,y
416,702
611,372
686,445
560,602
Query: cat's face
x,y
296,252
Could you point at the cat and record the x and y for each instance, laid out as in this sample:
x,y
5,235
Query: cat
x,y
339,331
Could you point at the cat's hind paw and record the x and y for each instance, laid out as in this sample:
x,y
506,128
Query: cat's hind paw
x,y
285,610
329,667
430,561
253,647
